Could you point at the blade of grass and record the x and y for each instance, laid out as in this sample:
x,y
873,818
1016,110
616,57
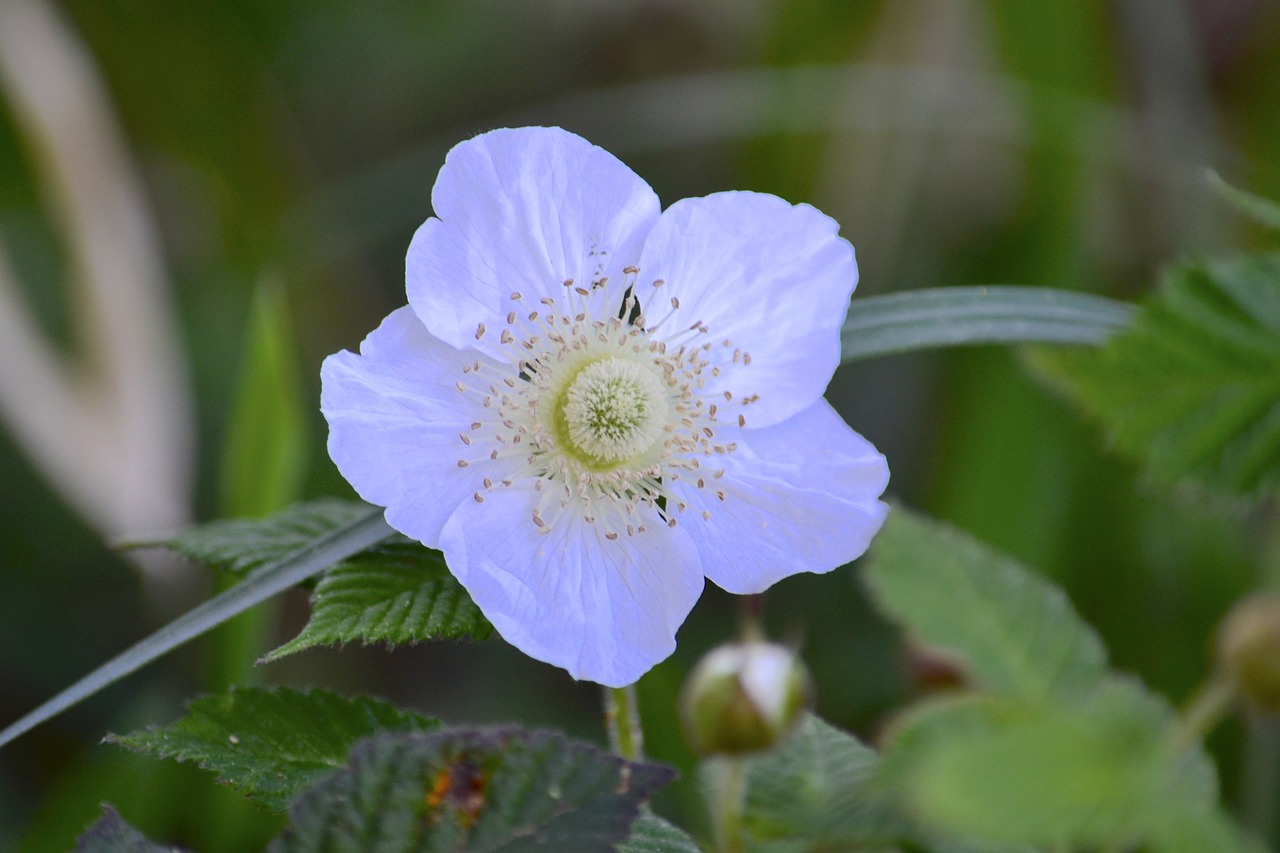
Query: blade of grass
x,y
958,316
298,566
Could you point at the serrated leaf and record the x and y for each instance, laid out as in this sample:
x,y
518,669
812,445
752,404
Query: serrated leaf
x,y
241,545
652,834
966,316
814,788
272,743
1100,770
363,530
1016,632
112,834
475,790
1193,389
398,592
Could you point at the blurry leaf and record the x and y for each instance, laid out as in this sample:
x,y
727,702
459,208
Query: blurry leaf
x,y
239,546
1264,210
1099,770
813,789
364,527
270,744
266,447
953,316
112,834
472,790
652,834
1016,632
397,592
262,465
1194,387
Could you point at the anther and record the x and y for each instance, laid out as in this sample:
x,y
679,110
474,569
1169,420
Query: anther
x,y
478,498
479,331
466,439
462,463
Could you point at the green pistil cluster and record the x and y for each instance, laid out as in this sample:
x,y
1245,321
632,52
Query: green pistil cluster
x,y
612,412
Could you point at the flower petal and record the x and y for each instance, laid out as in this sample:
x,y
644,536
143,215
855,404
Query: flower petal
x,y
522,210
395,425
772,277
604,610
799,496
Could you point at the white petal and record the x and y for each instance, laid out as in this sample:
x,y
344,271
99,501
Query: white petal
x,y
799,496
522,210
772,277
395,420
604,610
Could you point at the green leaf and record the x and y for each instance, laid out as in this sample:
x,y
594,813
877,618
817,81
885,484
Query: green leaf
x,y
1015,632
1193,389
272,743
652,834
954,316
1100,770
472,790
112,834
1264,210
814,788
240,546
398,592
363,529
266,447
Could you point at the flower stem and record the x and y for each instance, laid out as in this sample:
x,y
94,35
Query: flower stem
x,y
1204,711
1258,788
731,790
622,720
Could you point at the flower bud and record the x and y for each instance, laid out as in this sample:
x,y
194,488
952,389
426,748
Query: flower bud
x,y
1249,649
744,697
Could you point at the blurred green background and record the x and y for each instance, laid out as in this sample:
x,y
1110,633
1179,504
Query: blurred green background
x,y
236,202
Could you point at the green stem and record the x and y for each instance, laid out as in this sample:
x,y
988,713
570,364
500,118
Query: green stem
x,y
731,792
1258,788
1205,710
622,720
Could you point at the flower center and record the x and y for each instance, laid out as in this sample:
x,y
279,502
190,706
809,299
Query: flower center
x,y
605,408
612,412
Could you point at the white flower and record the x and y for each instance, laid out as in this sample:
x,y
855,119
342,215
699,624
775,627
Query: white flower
x,y
589,404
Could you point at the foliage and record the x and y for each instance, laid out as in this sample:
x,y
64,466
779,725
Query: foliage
x,y
1194,387
1016,632
257,741
472,790
112,834
397,592
1051,749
